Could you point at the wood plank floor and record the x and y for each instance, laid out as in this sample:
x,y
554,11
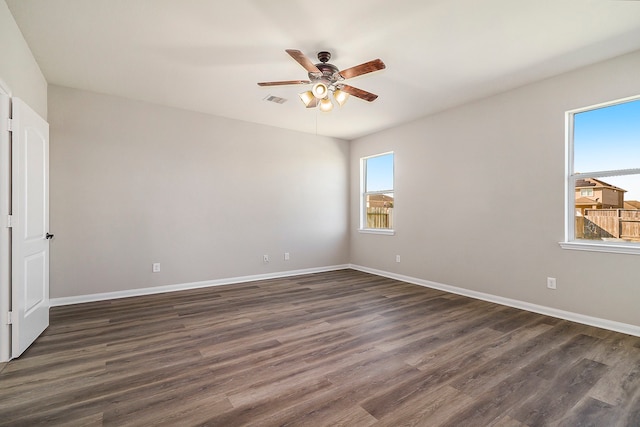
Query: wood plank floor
x,y
341,348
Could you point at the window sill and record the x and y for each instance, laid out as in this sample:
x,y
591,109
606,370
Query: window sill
x,y
386,232
610,247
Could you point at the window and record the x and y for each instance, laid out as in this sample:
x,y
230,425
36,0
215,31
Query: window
x,y
377,198
603,179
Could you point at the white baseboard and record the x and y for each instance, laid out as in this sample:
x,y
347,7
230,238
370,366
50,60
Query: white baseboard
x,y
55,302
624,328
549,311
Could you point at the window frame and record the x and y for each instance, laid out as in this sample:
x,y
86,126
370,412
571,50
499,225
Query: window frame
x,y
570,241
363,195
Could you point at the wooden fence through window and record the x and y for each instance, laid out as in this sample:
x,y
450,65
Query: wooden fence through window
x,y
379,217
609,223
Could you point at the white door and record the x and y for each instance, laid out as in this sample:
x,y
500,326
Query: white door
x,y
30,226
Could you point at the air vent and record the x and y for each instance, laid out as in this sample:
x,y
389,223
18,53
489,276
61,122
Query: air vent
x,y
275,99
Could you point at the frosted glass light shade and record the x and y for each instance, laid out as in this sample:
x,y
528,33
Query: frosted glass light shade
x,y
340,97
320,90
308,99
326,105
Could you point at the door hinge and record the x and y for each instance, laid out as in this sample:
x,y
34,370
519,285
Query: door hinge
x,y
10,318
10,125
9,221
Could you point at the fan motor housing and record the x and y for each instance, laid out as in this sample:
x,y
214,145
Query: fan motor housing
x,y
329,71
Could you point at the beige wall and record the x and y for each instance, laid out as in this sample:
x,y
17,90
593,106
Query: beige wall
x,y
18,68
501,241
134,183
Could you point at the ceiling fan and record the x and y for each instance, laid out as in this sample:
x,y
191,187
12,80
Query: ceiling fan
x,y
326,78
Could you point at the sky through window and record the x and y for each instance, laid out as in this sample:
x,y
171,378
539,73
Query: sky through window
x,y
606,139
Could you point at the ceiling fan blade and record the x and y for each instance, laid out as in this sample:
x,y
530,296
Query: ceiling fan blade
x,y
285,82
303,60
358,93
367,67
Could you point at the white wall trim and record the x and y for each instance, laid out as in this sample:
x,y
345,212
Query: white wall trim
x,y
55,302
624,328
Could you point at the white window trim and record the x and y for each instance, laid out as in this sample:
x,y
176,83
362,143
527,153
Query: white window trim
x,y
609,247
383,231
570,242
363,174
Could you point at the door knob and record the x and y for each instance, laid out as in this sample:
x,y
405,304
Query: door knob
x,y
49,236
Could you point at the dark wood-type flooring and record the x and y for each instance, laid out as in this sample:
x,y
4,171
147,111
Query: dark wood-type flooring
x,y
342,348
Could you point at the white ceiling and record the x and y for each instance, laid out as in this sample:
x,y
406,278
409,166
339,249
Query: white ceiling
x,y
207,55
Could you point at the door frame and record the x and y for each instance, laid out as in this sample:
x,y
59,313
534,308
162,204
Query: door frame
x,y
5,232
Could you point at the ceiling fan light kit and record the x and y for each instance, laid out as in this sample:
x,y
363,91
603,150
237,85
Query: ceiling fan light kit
x,y
326,78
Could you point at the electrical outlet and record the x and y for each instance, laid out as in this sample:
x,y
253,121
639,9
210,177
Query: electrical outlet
x,y
155,267
397,258
265,259
551,282
286,256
